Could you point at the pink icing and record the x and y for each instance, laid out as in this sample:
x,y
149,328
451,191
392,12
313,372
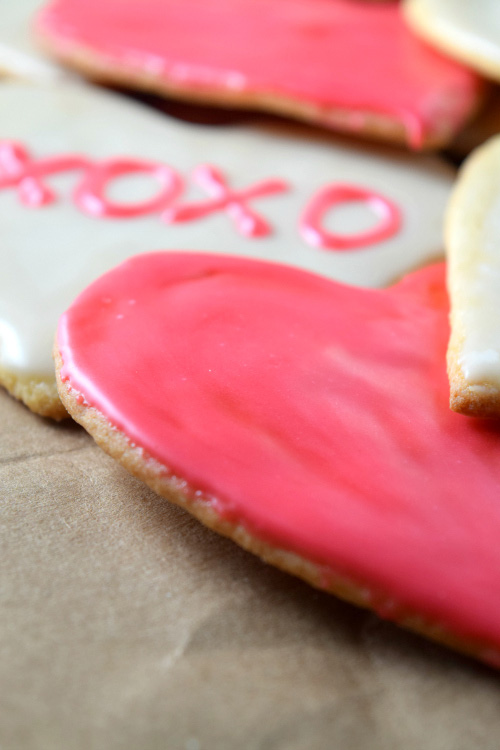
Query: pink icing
x,y
346,54
234,203
19,170
331,196
90,194
313,413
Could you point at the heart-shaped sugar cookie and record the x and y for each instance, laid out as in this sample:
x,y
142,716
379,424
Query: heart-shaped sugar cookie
x,y
348,65
306,419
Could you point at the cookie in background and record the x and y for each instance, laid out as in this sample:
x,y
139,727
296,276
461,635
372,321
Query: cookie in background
x,y
472,240
349,66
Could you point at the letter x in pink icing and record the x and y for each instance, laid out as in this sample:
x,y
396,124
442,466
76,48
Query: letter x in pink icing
x,y
234,203
19,169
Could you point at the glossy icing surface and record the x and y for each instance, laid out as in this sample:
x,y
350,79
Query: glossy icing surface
x,y
470,31
330,53
316,414
19,53
52,248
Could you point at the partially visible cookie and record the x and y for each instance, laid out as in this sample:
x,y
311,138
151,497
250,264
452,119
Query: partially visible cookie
x,y
306,420
20,56
88,179
467,30
473,250
350,66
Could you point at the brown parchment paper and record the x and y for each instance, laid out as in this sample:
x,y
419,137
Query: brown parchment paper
x,y
124,624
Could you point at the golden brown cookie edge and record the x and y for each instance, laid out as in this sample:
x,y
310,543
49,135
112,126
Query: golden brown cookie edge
x,y
144,467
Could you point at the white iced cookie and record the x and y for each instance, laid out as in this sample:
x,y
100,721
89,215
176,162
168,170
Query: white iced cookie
x,y
473,248
20,55
468,30
88,179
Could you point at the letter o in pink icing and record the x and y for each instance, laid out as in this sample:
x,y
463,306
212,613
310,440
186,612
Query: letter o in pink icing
x,y
333,195
90,195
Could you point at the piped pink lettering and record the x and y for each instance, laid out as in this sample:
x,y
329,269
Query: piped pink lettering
x,y
90,193
333,195
18,169
234,203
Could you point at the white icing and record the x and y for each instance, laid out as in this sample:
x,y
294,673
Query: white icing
x,y
19,54
467,29
50,253
473,245
480,366
479,285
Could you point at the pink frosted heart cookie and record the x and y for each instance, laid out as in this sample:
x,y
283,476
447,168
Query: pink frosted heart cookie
x,y
352,66
305,419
